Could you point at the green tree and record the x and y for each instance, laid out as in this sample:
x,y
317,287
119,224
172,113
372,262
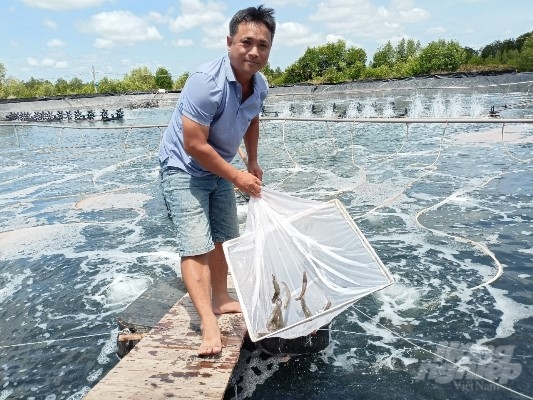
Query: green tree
x,y
2,74
412,49
45,89
15,88
385,55
524,60
180,82
390,56
32,85
520,40
61,86
3,93
470,54
328,63
441,56
273,76
163,79
355,63
139,80
381,72
75,85
106,85
393,62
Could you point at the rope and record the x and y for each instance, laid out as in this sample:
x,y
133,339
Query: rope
x,y
410,341
296,166
508,152
285,146
401,147
431,168
53,340
364,178
485,249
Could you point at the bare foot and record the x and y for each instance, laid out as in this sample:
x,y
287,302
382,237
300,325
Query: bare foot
x,y
225,305
211,341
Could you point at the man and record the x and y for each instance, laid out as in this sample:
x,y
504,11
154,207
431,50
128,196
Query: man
x,y
217,109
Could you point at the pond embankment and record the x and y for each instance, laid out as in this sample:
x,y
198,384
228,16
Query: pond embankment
x,y
481,83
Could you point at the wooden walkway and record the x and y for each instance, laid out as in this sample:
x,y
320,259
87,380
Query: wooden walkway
x,y
164,363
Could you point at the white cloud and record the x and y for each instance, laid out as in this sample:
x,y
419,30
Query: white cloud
x,y
100,43
334,38
119,28
215,36
158,18
183,43
63,4
436,30
47,62
414,15
61,65
196,14
281,3
50,24
364,19
55,43
294,34
32,62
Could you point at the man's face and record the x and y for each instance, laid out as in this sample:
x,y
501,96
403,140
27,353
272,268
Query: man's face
x,y
249,49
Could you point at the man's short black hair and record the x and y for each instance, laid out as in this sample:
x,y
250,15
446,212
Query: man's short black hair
x,y
259,14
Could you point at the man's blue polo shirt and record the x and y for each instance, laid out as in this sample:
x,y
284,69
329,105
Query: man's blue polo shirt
x,y
212,97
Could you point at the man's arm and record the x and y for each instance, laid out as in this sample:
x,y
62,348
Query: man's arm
x,y
251,141
195,143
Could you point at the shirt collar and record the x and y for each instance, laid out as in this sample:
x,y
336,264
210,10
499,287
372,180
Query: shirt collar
x,y
231,75
229,71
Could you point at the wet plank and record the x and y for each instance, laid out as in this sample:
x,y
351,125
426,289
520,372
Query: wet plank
x,y
164,363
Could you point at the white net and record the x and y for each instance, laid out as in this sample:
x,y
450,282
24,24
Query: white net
x,y
299,264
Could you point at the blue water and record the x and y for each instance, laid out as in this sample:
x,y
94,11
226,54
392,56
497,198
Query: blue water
x,y
83,232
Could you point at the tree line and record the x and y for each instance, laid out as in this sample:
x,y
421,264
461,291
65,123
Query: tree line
x,y
327,64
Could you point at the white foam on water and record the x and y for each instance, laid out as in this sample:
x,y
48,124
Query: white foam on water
x,y
95,375
124,289
511,310
438,107
388,110
369,109
113,201
456,106
109,348
345,360
37,241
97,174
416,110
12,283
4,394
478,107
80,394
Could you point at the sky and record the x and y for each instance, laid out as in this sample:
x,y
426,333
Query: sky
x,y
86,39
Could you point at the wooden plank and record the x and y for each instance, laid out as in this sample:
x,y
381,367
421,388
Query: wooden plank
x,y
165,363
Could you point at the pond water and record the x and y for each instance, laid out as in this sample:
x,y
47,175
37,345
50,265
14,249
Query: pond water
x,y
84,231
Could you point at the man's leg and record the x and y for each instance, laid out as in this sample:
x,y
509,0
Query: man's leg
x,y
221,300
197,278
